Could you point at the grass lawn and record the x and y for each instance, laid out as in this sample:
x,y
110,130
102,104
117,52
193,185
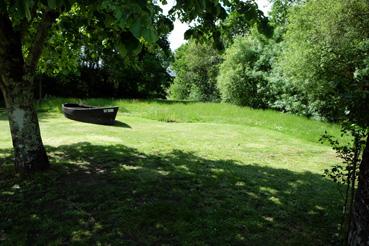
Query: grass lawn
x,y
173,173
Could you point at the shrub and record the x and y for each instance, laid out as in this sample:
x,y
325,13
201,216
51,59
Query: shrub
x,y
242,75
196,69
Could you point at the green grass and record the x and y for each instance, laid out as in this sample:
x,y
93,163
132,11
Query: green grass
x,y
173,173
192,112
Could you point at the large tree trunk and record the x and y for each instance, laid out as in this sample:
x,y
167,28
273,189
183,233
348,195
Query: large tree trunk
x,y
16,84
29,152
359,229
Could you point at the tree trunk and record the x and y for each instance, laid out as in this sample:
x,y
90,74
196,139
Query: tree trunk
x,y
29,152
359,229
16,84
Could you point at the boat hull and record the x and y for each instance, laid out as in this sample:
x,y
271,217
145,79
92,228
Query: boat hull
x,y
90,114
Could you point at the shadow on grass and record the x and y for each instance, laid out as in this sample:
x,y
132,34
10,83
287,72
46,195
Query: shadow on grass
x,y
119,123
118,195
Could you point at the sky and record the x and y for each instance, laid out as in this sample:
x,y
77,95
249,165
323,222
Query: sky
x,y
176,38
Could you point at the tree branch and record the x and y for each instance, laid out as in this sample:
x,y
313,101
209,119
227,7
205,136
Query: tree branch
x,y
39,40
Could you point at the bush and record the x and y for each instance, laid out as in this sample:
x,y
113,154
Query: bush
x,y
325,52
242,75
196,69
285,96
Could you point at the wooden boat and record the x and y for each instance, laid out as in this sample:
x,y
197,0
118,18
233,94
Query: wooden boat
x,y
90,114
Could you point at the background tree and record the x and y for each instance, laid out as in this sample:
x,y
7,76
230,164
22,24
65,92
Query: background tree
x,y
323,54
196,68
282,93
242,76
262,75
196,63
242,17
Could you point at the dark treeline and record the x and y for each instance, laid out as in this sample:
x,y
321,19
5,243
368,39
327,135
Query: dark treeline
x,y
144,77
102,82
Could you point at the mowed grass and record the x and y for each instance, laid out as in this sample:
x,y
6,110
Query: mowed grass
x,y
173,173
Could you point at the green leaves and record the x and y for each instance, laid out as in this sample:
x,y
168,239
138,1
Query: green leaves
x,y
52,4
128,45
164,25
122,49
196,68
132,16
322,51
24,7
59,4
242,75
191,33
143,31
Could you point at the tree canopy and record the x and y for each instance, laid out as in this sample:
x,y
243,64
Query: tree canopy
x,y
325,54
